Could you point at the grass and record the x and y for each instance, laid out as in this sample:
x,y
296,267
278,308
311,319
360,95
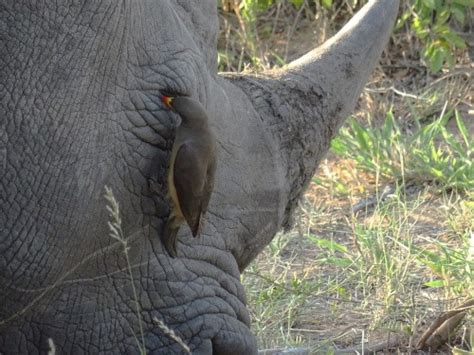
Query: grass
x,y
430,154
386,271
347,278
385,236
116,233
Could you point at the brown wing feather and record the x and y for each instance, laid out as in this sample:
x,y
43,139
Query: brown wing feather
x,y
189,181
209,185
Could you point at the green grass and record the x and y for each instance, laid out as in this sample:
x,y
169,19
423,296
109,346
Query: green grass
x,y
382,274
342,276
452,260
430,154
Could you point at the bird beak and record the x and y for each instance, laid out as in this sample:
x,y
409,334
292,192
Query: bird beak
x,y
167,100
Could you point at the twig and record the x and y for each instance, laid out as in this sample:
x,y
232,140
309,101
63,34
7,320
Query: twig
x,y
51,347
371,201
170,333
290,351
301,330
392,342
404,65
291,31
444,317
460,72
396,91
275,22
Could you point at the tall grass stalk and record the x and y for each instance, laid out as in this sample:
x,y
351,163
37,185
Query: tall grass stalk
x,y
116,232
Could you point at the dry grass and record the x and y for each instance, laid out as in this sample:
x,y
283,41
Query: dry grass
x,y
305,291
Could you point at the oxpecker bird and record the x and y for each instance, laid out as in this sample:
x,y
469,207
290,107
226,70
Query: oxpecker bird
x,y
191,170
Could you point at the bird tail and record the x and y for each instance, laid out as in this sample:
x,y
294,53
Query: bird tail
x,y
196,229
170,235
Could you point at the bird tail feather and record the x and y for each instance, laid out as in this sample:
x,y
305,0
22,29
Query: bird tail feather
x,y
197,228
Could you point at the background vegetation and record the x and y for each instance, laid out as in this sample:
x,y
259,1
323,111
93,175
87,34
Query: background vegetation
x,y
385,235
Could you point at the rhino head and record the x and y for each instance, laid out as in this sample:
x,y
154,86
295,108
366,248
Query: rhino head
x,y
80,110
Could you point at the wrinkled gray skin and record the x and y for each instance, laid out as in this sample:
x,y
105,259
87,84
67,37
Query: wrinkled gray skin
x,y
80,109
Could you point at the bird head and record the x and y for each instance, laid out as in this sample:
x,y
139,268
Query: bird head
x,y
167,100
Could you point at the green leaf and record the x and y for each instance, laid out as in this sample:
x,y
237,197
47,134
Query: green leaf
x,y
297,3
264,4
402,20
342,262
454,39
327,3
442,16
449,59
361,135
431,4
468,3
338,146
327,244
342,188
388,125
434,283
436,60
462,128
436,172
458,13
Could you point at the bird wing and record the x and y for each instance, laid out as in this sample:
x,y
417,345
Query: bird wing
x,y
209,184
189,181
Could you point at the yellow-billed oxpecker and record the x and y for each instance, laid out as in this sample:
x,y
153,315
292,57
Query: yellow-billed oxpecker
x,y
191,169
